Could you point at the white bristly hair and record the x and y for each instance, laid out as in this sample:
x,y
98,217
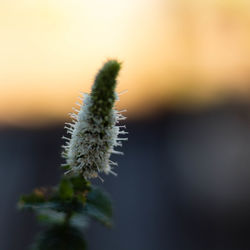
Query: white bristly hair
x,y
88,150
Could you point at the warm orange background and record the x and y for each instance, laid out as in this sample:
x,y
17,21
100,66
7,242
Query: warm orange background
x,y
181,52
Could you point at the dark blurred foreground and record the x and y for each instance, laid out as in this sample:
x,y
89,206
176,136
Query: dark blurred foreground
x,y
184,183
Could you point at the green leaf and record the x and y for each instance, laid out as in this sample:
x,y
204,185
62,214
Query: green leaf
x,y
68,206
66,191
49,216
79,184
41,205
60,237
54,204
80,221
33,198
99,206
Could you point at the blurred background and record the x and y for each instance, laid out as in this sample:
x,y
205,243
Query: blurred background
x,y
184,182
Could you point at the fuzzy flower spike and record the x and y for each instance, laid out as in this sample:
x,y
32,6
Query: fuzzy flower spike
x,y
94,133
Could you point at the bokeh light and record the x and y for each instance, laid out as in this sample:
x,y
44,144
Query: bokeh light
x,y
176,52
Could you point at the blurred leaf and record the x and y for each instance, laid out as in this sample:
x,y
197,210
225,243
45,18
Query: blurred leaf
x,y
34,198
49,216
80,184
68,206
99,206
66,191
54,204
80,221
74,197
39,206
60,237
63,199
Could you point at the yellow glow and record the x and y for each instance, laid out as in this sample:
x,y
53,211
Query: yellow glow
x,y
171,49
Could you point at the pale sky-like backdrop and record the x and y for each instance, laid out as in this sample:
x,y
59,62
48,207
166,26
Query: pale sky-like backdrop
x,y
174,52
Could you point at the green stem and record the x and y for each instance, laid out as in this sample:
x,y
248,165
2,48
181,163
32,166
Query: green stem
x,y
68,217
